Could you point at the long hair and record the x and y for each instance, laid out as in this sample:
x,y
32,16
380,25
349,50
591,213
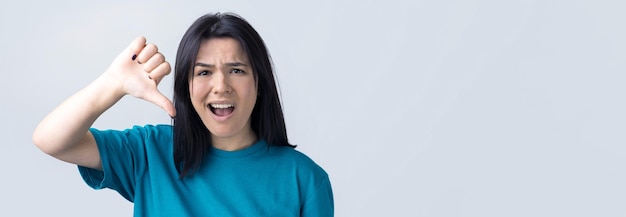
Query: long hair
x,y
192,139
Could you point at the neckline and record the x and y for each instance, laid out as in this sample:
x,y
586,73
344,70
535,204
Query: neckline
x,y
239,153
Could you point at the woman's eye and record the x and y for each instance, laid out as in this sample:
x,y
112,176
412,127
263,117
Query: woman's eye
x,y
203,73
237,71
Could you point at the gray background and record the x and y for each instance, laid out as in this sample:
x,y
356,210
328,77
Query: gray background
x,y
414,108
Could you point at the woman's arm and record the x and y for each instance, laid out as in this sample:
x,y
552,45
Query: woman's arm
x,y
64,133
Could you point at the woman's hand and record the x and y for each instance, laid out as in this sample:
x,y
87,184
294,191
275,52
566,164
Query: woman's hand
x,y
138,70
64,133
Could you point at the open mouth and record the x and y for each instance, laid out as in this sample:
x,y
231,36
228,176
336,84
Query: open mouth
x,y
222,109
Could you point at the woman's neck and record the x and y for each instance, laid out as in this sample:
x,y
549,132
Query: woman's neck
x,y
236,142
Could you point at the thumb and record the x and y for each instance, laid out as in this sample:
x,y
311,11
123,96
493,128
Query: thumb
x,y
162,101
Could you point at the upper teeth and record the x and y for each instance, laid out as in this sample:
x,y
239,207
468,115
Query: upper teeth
x,y
222,106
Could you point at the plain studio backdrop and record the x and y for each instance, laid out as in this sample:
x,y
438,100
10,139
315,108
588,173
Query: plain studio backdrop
x,y
414,108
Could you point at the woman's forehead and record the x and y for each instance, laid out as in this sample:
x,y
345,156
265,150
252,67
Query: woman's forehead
x,y
221,50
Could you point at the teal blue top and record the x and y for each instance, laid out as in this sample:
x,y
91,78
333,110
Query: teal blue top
x,y
261,180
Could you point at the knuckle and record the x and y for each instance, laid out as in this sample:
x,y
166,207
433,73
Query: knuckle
x,y
153,46
160,57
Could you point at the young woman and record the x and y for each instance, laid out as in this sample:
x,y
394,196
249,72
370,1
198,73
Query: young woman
x,y
226,153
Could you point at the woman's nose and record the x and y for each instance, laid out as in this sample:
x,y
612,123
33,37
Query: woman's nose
x,y
221,84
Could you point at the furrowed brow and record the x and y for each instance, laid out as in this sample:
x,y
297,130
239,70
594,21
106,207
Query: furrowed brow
x,y
204,65
234,64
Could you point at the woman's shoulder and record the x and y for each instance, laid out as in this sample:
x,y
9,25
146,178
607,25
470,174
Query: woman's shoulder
x,y
159,132
310,176
289,153
297,159
136,134
136,130
158,127
152,129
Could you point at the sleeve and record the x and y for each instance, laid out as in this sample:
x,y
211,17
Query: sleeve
x,y
122,154
320,203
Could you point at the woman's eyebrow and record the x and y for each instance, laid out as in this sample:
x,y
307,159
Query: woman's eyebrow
x,y
235,64
231,64
204,65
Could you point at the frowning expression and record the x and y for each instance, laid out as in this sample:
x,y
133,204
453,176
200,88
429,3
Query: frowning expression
x,y
223,89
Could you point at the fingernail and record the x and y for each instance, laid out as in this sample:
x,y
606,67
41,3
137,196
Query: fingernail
x,y
138,61
149,77
134,57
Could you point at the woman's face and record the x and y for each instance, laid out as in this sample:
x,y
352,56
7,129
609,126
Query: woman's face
x,y
223,90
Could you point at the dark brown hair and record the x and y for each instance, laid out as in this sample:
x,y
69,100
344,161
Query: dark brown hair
x,y
192,140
